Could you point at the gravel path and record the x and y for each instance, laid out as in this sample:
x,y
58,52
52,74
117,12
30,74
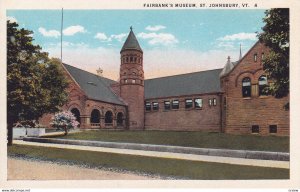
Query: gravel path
x,y
25,169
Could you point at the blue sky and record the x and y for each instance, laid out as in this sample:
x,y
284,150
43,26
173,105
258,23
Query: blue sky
x,y
174,41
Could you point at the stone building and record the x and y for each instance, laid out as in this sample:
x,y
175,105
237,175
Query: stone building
x,y
231,99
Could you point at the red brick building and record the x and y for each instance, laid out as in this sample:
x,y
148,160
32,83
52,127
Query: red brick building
x,y
230,100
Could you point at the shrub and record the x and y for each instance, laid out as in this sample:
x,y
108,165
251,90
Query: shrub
x,y
64,120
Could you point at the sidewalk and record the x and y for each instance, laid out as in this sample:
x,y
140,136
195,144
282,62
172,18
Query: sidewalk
x,y
181,156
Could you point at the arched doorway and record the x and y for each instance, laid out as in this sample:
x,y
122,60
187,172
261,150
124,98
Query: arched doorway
x,y
120,119
108,118
95,116
76,113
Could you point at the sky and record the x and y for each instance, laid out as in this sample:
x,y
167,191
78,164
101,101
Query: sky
x,y
173,41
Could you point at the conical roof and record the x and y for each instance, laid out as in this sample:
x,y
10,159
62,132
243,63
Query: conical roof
x,y
228,67
131,43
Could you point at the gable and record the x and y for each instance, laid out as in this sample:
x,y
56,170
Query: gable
x,y
94,86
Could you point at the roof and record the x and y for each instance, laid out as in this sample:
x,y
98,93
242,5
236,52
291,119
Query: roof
x,y
228,67
94,86
185,84
131,43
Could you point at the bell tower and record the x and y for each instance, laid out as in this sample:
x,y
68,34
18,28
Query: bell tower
x,y
132,81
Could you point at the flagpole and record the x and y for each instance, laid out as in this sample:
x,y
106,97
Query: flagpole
x,y
61,33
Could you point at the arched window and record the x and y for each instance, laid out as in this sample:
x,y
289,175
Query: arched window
x,y
95,116
120,119
246,87
76,113
108,117
262,84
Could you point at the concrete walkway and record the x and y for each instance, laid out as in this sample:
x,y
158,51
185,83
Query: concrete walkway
x,y
190,157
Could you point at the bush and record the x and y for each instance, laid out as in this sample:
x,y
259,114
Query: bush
x,y
64,120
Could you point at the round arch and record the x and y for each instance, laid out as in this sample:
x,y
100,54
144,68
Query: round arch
x,y
120,119
76,113
95,116
108,117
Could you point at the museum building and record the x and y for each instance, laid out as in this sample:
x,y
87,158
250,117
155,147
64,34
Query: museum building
x,y
231,99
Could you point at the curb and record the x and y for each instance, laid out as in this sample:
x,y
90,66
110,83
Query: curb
x,y
263,155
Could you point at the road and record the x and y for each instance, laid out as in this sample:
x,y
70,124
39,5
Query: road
x,y
23,169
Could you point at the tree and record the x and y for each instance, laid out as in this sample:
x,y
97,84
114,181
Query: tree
x,y
64,120
35,83
275,35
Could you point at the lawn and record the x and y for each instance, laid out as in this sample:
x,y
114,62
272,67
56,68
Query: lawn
x,y
188,139
181,169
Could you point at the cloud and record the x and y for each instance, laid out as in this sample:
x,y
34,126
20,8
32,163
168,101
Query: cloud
x,y
155,28
11,19
72,30
239,36
159,38
103,37
50,33
119,37
226,45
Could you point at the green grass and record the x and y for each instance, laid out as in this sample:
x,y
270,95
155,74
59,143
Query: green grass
x,y
188,139
165,167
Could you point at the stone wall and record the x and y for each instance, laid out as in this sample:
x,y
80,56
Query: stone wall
x,y
207,118
241,113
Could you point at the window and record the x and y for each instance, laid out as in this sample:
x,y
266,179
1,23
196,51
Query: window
x,y
198,103
246,87
262,56
155,106
214,101
273,128
188,103
133,81
262,84
148,106
131,59
167,105
255,57
126,81
134,59
123,60
127,59
255,129
210,102
175,104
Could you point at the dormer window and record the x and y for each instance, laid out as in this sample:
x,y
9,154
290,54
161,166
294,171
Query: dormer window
x,y
91,83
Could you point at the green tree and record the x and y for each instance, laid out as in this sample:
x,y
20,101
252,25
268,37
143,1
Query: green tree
x,y
35,83
275,35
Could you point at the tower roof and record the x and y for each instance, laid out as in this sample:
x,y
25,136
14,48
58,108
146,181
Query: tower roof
x,y
131,42
228,67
